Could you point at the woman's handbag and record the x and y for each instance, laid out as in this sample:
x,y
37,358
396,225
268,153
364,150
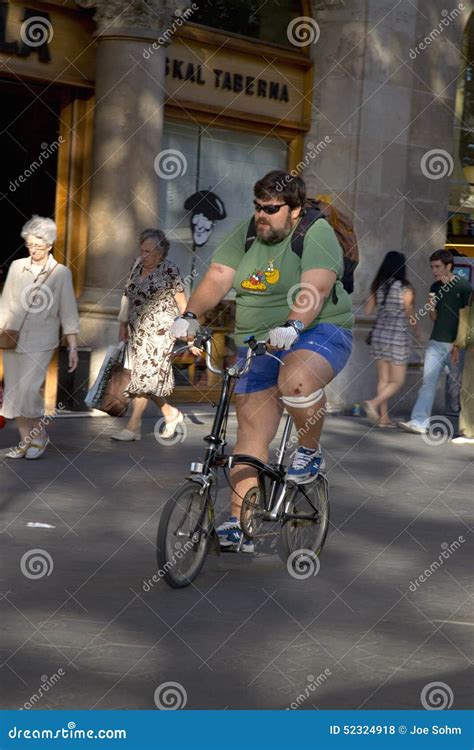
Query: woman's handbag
x,y
114,401
107,393
8,336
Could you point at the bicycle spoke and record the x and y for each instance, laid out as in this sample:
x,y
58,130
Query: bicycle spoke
x,y
300,532
180,563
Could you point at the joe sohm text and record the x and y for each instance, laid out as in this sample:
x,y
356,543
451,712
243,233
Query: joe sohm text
x,y
392,729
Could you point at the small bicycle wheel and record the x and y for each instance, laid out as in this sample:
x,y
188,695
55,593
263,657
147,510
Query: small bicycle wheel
x,y
184,534
309,532
253,505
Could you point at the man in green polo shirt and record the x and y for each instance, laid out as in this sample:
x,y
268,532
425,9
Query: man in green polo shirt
x,y
298,305
448,295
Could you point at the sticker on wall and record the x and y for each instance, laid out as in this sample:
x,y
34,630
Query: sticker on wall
x,y
206,208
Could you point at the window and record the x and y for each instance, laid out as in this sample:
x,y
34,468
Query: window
x,y
254,18
461,188
225,162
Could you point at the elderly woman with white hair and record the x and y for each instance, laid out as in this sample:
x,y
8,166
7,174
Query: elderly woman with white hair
x,y
38,298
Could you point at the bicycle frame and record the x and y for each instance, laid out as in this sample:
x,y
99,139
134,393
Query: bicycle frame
x,y
271,497
216,440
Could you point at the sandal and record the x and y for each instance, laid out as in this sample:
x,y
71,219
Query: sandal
x,y
371,413
36,449
169,429
18,451
127,435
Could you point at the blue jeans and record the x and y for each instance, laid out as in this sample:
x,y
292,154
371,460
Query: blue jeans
x,y
437,357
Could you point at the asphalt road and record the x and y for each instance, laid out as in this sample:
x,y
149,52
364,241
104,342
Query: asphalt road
x,y
365,632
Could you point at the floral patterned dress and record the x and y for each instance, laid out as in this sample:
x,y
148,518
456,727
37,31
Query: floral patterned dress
x,y
152,309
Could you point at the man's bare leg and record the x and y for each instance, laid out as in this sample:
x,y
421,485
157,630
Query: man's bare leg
x,y
305,373
258,417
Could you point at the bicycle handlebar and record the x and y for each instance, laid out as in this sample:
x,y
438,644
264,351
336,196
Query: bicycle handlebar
x,y
203,340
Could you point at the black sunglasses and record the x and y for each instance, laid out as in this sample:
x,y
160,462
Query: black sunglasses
x,y
272,208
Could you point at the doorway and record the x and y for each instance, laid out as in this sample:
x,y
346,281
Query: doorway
x,y
30,141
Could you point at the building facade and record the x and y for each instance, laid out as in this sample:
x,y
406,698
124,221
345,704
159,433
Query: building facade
x,y
117,114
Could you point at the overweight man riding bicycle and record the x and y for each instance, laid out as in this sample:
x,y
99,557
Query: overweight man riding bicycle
x,y
298,304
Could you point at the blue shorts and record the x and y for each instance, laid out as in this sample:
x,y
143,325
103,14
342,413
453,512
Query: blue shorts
x,y
331,342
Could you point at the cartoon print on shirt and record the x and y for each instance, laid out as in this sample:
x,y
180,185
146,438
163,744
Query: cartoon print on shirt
x,y
272,274
255,282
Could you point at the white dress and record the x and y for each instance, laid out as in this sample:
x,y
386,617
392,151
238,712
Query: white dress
x,y
48,306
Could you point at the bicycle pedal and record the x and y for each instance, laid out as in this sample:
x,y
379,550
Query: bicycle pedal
x,y
230,548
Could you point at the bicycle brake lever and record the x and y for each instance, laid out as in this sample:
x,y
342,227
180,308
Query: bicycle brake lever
x,y
273,356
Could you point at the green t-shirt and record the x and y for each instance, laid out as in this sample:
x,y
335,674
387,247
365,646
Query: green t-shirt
x,y
267,278
451,297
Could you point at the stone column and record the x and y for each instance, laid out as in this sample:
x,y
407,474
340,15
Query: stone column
x,y
128,122
384,107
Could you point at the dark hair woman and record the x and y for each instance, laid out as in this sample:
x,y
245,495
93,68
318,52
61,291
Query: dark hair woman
x,y
393,297
154,295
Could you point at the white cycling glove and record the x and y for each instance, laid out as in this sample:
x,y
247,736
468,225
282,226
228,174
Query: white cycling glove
x,y
184,328
283,337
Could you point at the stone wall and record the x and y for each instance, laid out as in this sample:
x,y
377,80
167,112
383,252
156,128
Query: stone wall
x,y
385,103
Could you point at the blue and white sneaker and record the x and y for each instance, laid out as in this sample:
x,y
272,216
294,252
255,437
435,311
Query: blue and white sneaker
x,y
306,465
232,538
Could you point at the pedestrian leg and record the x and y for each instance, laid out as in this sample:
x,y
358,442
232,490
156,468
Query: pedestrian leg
x,y
435,360
139,405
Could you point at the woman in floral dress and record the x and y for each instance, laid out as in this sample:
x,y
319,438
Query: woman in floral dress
x,y
153,296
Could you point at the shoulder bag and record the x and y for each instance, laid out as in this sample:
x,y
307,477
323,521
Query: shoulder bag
x,y
8,336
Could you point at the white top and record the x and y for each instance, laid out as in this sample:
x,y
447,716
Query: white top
x,y
50,305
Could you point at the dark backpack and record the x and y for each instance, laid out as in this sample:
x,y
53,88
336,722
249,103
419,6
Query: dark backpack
x,y
343,227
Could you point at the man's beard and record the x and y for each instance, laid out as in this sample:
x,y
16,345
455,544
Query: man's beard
x,y
274,236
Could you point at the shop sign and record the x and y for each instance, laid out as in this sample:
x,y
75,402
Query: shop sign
x,y
53,45
35,31
227,80
235,83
